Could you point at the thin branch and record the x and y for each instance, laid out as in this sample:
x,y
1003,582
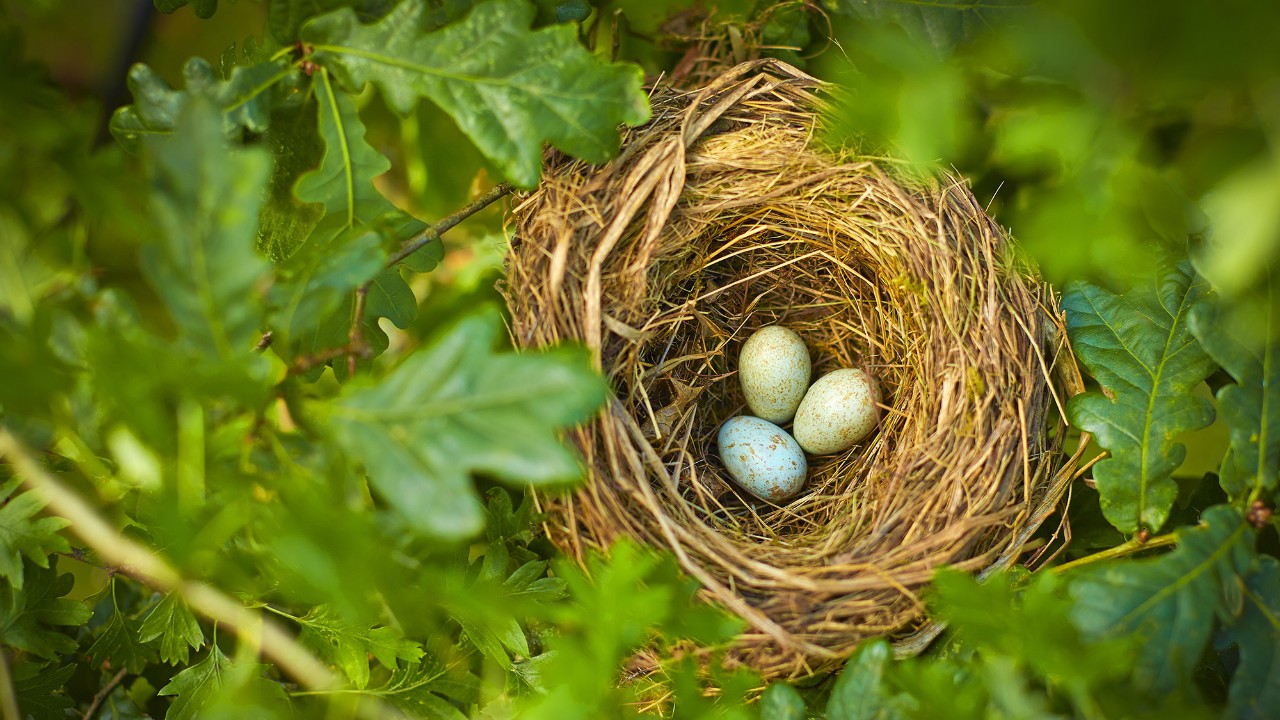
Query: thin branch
x,y
104,692
144,565
434,232
1128,548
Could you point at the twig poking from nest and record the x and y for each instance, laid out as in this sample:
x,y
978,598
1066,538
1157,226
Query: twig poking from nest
x,y
721,216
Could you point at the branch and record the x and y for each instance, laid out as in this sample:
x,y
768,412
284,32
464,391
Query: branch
x,y
1133,546
103,693
434,232
144,565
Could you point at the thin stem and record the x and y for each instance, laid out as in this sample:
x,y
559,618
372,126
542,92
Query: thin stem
x,y
104,692
1121,550
434,232
146,566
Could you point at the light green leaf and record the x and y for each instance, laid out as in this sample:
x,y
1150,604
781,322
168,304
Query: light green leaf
x,y
508,87
780,701
1255,686
455,407
173,623
244,99
1169,602
859,692
349,646
202,685
204,265
1142,353
22,533
1251,406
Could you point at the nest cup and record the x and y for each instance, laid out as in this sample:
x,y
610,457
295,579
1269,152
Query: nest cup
x,y
720,216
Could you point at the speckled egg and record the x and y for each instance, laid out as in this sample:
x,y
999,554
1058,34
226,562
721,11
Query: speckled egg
x,y
773,368
838,411
765,460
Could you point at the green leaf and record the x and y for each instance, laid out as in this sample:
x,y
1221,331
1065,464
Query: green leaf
x,y
508,87
1169,602
203,684
350,646
780,701
1251,406
40,692
318,280
1255,686
204,264
22,533
420,690
204,8
119,645
286,17
455,407
244,100
172,622
27,614
1142,353
859,692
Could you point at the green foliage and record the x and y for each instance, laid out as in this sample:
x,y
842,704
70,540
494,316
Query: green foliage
x,y
350,647
38,690
1255,631
23,534
509,88
859,693
1250,406
214,679
203,8
780,701
30,616
1140,349
172,623
455,407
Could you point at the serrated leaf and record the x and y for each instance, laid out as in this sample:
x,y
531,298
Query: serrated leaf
x,y
200,685
1168,602
1255,686
508,87
421,689
40,693
1142,353
1251,406
350,646
172,622
780,701
27,615
455,407
859,692
119,646
244,99
22,533
204,264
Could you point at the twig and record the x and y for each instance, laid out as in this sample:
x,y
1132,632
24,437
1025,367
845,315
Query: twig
x,y
355,338
434,232
104,692
1121,550
144,565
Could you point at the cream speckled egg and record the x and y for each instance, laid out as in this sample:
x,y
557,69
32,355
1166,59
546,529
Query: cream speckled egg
x,y
774,368
838,411
765,460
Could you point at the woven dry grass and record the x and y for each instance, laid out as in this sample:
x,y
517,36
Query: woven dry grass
x,y
723,215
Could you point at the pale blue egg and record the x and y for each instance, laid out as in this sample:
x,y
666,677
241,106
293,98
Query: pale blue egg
x,y
765,460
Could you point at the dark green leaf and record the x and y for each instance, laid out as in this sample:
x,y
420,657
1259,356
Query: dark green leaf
x,y
204,263
244,100
204,683
204,8
1142,353
780,701
455,407
318,280
1255,686
40,693
1168,602
22,533
1251,406
349,646
27,614
119,645
859,692
421,689
285,17
509,88
944,24
173,623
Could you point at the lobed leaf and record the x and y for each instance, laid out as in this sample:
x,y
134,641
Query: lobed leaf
x,y
119,645
1250,406
1169,602
1139,348
1255,686
173,623
28,617
455,407
197,688
508,87
40,691
22,533
350,647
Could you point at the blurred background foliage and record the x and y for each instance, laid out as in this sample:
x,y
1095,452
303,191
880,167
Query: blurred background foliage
x,y
1111,138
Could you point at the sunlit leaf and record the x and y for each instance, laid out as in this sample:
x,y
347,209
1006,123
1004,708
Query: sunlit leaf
x,y
1139,348
172,622
780,701
859,692
510,88
22,533
1250,406
455,407
1169,602
350,646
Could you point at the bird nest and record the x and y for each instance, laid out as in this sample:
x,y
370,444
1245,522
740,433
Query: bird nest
x,y
724,214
